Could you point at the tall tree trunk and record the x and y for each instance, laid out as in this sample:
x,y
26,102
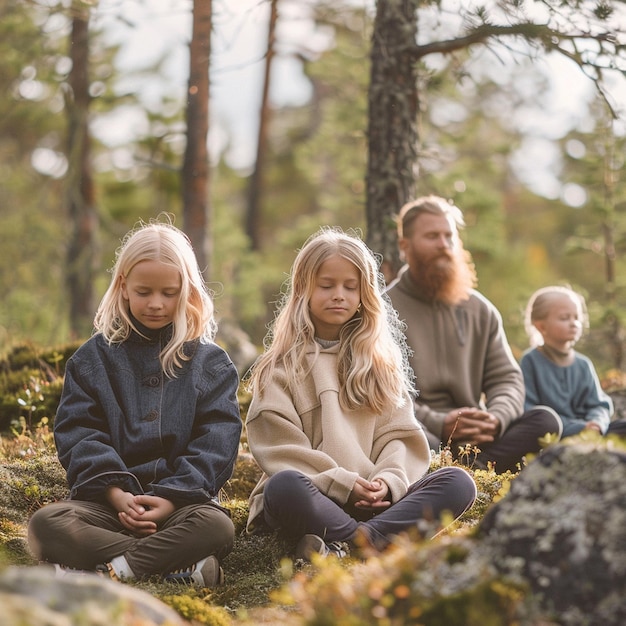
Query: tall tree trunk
x,y
82,250
392,127
610,181
195,173
255,189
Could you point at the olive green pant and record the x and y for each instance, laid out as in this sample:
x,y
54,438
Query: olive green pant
x,y
83,535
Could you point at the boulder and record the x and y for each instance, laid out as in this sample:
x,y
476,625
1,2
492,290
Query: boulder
x,y
562,529
33,596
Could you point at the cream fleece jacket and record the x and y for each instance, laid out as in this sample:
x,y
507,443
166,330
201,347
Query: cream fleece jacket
x,y
306,430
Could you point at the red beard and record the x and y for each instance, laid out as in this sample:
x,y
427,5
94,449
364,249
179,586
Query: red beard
x,y
446,278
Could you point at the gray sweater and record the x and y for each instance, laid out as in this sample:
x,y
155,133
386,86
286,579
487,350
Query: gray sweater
x,y
461,356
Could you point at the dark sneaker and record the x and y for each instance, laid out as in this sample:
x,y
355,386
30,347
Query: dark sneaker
x,y
314,544
205,573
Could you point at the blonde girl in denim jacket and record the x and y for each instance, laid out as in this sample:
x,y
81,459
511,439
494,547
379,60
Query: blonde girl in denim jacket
x,y
147,428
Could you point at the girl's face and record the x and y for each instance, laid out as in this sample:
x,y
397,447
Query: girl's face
x,y
336,296
152,290
563,323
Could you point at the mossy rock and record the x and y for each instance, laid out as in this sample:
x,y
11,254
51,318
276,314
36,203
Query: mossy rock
x,y
562,528
33,596
31,381
28,356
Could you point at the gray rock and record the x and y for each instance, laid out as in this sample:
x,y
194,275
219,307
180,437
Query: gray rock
x,y
562,528
32,596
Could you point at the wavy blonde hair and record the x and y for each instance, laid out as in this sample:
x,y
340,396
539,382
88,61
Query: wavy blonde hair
x,y
194,317
373,355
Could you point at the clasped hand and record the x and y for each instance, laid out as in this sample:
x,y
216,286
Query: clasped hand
x,y
369,495
139,514
470,425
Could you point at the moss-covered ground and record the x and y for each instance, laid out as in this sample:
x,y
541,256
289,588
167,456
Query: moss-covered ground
x,y
428,581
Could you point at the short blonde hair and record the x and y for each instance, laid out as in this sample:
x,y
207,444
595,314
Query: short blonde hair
x,y
194,318
540,304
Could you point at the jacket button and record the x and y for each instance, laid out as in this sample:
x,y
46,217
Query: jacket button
x,y
151,416
153,381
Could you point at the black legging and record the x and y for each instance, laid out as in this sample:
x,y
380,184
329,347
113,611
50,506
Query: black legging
x,y
295,506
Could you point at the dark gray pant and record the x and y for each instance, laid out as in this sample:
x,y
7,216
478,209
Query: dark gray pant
x,y
83,535
296,507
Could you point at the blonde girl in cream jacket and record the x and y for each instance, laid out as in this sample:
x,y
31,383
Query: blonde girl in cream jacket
x,y
331,422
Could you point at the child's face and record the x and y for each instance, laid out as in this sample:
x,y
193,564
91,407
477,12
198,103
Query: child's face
x,y
563,323
152,290
335,298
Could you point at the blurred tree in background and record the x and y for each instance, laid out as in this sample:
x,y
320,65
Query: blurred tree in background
x,y
80,192
197,209
33,226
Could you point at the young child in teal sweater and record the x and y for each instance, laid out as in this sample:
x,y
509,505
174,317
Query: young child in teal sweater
x,y
556,375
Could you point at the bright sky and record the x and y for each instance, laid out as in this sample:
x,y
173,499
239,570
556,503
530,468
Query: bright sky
x,y
157,29
162,28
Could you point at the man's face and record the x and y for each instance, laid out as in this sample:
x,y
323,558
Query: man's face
x,y
432,242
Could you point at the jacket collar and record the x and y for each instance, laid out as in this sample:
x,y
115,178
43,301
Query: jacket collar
x,y
152,335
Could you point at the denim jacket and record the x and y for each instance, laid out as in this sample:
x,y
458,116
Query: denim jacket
x,y
122,422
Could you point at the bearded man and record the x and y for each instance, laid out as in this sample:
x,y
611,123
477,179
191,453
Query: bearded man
x,y
471,389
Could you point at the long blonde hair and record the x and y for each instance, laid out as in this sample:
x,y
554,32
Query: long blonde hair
x,y
194,316
373,356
